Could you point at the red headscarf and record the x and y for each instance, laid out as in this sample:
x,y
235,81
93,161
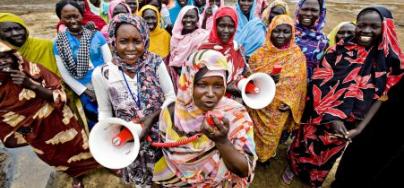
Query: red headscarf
x,y
233,55
87,17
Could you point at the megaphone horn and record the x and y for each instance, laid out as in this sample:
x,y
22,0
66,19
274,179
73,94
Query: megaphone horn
x,y
109,142
258,90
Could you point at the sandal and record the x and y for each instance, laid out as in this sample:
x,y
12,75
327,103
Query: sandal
x,y
288,176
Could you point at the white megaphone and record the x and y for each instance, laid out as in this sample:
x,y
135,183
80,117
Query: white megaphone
x,y
258,90
106,146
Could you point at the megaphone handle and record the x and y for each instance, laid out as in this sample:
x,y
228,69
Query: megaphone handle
x,y
124,136
251,88
173,144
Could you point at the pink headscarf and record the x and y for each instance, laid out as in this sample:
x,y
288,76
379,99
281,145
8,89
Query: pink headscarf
x,y
182,46
115,3
209,21
261,5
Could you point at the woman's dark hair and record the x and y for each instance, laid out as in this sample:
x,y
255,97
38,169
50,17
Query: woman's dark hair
x,y
368,10
61,4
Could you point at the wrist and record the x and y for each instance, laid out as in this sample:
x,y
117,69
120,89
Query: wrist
x,y
221,142
32,85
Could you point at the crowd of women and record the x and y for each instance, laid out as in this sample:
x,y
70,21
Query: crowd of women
x,y
172,65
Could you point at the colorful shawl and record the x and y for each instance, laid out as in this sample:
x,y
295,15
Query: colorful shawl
x,y
350,78
233,55
333,34
182,46
347,82
159,37
209,21
312,41
151,96
34,49
176,9
267,11
269,123
198,164
50,128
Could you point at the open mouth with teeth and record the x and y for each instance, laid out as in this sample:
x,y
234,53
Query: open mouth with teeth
x,y
306,20
365,38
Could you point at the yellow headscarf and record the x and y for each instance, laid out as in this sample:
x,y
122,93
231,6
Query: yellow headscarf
x,y
331,36
35,50
267,11
159,37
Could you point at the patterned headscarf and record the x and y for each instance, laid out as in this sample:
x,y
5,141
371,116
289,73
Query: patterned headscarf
x,y
275,54
193,116
352,77
150,93
312,41
199,163
143,29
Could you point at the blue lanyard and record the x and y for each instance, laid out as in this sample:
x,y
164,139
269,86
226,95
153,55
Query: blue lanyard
x,y
130,91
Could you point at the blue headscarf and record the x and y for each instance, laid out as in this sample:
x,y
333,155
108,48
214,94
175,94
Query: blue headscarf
x,y
252,36
312,41
251,31
175,10
242,19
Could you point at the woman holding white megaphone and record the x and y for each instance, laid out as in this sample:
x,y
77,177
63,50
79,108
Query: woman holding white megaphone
x,y
282,57
134,86
216,133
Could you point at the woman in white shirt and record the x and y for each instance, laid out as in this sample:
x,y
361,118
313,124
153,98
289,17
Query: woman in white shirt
x,y
136,85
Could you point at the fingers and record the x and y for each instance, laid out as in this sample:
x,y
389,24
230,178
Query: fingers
x,y
17,79
207,130
14,71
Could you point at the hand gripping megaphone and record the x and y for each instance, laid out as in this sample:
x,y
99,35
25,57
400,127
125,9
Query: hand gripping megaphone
x,y
108,143
258,90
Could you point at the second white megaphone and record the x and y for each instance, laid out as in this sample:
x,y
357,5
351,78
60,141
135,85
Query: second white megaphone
x,y
106,146
258,90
